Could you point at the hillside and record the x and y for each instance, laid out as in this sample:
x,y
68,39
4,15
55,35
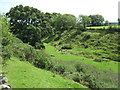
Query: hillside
x,y
94,49
22,74
89,43
101,74
105,65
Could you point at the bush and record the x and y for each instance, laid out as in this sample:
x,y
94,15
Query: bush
x,y
7,52
92,82
79,67
50,64
59,68
77,77
41,59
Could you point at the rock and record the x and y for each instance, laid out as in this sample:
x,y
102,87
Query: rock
x,y
3,80
4,83
5,87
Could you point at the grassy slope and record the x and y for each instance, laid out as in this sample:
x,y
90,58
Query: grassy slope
x,y
22,74
111,65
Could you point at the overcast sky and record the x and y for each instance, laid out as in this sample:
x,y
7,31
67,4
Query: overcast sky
x,y
107,8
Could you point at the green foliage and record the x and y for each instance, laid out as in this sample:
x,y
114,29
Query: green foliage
x,y
96,20
29,24
41,59
106,23
102,74
14,47
84,19
80,27
58,68
32,26
64,22
7,37
79,67
100,43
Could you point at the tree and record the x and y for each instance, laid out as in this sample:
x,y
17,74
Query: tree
x,y
27,23
84,19
48,28
106,23
64,22
80,26
96,20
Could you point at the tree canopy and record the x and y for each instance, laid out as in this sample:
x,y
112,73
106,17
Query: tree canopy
x,y
64,22
84,19
96,20
32,26
28,23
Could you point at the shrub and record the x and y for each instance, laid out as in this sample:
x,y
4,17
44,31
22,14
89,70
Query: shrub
x,y
41,59
92,82
6,53
59,68
50,64
79,67
77,77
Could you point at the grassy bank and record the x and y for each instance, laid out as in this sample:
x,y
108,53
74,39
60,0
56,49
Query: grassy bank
x,y
22,74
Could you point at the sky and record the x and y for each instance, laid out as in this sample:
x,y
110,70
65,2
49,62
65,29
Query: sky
x,y
107,8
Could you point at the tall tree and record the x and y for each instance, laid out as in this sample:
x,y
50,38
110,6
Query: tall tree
x,y
64,22
84,19
27,23
96,20
48,30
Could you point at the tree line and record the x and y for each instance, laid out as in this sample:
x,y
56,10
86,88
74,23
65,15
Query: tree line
x,y
31,25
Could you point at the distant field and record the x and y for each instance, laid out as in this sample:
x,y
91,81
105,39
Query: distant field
x,y
103,27
22,74
111,65
98,27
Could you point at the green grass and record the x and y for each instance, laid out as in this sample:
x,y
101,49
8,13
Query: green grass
x,y
98,27
111,65
21,74
103,27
